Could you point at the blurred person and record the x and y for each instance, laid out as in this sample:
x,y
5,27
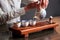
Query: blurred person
x,y
14,9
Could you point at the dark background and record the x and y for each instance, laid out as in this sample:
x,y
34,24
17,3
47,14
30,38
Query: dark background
x,y
52,10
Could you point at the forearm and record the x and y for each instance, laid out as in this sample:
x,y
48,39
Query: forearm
x,y
31,6
44,3
47,2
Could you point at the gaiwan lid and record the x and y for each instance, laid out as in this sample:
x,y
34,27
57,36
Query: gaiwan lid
x,y
51,16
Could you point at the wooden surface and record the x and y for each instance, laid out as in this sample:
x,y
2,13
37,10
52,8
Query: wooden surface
x,y
38,27
41,35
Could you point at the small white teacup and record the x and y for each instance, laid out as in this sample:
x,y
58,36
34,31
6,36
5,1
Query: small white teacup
x,y
19,24
32,22
25,23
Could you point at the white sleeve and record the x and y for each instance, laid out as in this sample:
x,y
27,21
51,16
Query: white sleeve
x,y
1,12
2,16
11,3
5,6
21,11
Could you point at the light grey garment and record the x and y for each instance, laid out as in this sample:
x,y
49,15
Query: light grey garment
x,y
17,15
16,18
16,4
14,12
1,12
5,6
